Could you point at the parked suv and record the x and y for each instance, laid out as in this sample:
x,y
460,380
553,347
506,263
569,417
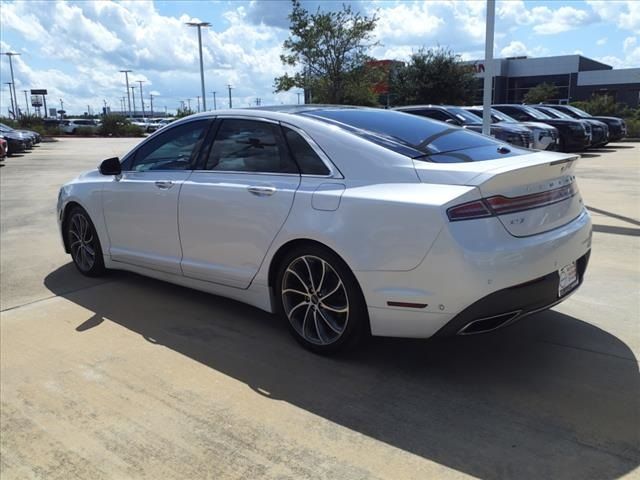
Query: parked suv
x,y
617,127
599,130
513,134
545,137
573,135
73,124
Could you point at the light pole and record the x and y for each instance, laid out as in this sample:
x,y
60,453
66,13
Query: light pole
x,y
26,102
488,67
133,95
230,87
298,93
141,96
199,25
13,108
151,100
198,97
214,101
189,103
126,76
13,82
61,109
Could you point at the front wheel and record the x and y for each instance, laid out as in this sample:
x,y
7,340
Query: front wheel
x,y
321,300
84,244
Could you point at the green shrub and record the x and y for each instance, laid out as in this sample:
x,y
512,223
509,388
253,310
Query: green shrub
x,y
118,126
85,131
633,127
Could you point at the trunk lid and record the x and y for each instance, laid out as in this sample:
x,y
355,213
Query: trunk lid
x,y
530,194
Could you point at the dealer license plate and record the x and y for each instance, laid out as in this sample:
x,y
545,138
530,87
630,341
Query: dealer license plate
x,y
568,279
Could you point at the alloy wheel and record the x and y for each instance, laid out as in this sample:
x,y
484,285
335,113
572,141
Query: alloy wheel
x,y
82,242
315,300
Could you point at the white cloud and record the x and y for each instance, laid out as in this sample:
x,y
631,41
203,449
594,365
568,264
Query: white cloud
x,y
514,49
602,41
631,52
625,14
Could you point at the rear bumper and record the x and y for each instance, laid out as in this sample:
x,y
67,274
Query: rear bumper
x,y
471,261
506,306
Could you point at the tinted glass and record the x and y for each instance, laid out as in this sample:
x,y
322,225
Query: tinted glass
x,y
306,158
537,114
175,149
393,129
553,113
249,146
577,111
515,113
435,114
463,115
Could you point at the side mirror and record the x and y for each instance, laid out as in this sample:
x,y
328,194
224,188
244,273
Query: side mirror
x,y
111,166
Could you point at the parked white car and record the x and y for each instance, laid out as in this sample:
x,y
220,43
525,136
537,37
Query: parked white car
x,y
344,221
72,125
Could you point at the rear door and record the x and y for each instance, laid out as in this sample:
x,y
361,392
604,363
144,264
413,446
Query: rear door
x,y
233,206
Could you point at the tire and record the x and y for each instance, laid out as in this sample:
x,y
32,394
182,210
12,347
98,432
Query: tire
x,y
320,300
84,243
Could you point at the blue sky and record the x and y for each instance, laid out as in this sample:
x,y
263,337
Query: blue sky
x,y
75,49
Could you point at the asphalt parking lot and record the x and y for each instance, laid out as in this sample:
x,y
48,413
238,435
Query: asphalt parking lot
x,y
127,377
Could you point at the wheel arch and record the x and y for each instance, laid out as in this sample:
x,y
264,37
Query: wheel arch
x,y
65,218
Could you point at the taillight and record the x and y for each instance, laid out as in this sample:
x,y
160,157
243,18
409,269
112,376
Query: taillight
x,y
501,205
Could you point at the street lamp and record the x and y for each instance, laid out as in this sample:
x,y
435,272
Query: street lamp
x,y
13,82
199,25
214,101
230,87
13,108
198,96
126,76
26,101
141,96
133,95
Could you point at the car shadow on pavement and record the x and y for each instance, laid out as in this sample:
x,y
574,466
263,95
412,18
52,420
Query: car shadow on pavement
x,y
551,396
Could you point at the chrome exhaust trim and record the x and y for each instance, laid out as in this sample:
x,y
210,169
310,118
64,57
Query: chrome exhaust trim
x,y
494,322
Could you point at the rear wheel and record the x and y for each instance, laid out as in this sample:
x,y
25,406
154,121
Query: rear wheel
x,y
84,244
321,300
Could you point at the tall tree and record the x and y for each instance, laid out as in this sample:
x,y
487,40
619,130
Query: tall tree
x,y
543,92
329,48
435,76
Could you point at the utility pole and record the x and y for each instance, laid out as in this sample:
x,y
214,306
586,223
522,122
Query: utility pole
x,y
230,104
141,96
214,100
13,83
13,108
126,76
61,109
199,26
198,96
488,67
133,94
151,101
189,102
27,102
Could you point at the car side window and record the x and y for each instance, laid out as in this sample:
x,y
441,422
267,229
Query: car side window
x,y
305,156
249,146
174,149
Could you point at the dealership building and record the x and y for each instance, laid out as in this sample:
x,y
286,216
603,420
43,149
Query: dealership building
x,y
576,78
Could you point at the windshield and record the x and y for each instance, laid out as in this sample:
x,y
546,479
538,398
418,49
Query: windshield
x,y
404,133
553,113
577,111
537,114
5,128
463,115
496,115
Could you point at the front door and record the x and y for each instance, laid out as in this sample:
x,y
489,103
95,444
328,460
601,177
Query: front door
x,y
141,205
230,212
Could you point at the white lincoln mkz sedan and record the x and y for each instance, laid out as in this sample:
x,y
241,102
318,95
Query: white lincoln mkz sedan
x,y
344,221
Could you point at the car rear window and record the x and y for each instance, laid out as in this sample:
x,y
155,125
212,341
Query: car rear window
x,y
410,135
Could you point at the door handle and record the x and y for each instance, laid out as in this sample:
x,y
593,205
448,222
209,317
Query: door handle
x,y
262,191
164,185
